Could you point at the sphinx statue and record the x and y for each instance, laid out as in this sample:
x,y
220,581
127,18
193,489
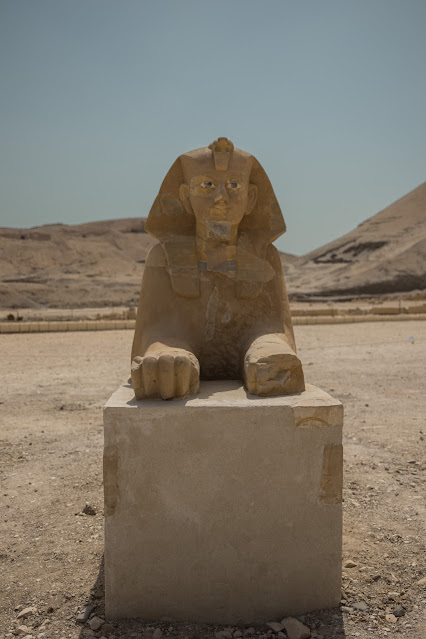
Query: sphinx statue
x,y
213,303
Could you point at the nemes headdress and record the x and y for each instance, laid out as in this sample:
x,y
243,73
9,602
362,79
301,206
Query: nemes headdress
x,y
174,226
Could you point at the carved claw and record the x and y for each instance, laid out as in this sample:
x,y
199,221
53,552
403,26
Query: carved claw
x,y
165,374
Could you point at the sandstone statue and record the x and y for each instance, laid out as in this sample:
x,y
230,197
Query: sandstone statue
x,y
213,301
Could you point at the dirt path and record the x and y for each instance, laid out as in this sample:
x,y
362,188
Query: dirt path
x,y
52,392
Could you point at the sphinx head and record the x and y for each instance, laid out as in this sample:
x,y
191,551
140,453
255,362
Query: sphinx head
x,y
217,188
211,191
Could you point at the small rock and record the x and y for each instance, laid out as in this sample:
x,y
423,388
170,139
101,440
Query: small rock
x,y
157,634
237,634
249,631
22,630
360,605
350,564
275,626
399,611
82,617
96,623
281,635
89,510
224,634
393,595
26,612
421,582
107,629
347,609
295,629
391,618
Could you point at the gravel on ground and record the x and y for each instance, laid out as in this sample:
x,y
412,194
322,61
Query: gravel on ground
x,y
51,396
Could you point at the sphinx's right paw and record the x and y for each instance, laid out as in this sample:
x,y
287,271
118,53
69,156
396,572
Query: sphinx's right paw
x,y
166,374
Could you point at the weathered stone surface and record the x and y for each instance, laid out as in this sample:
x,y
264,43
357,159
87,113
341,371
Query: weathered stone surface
x,y
213,301
96,623
89,509
83,616
295,629
26,612
218,514
107,629
276,626
332,469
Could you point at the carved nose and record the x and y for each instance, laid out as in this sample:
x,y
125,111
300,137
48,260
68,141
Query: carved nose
x,y
222,195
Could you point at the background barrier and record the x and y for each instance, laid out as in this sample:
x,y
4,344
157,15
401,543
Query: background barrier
x,y
109,325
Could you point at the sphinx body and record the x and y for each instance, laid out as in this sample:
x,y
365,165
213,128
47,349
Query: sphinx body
x,y
213,303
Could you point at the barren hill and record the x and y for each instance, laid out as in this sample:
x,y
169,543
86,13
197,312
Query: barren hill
x,y
71,266
95,264
101,263
384,254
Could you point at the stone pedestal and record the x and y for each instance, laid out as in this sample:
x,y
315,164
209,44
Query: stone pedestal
x,y
223,508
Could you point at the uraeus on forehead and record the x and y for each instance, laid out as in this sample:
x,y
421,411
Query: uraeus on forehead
x,y
205,161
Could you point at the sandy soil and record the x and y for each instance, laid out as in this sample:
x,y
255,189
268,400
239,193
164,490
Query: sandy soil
x,y
52,392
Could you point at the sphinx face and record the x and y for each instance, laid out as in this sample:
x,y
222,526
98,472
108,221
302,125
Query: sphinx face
x,y
219,200
219,197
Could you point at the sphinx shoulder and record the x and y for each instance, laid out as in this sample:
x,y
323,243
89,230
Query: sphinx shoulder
x,y
156,257
273,257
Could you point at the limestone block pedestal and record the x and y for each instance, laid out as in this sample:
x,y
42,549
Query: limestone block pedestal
x,y
223,508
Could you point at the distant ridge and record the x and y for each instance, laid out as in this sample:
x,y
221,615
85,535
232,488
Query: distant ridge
x,y
384,254
101,263
59,265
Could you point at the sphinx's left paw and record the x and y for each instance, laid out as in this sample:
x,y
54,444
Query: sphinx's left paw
x,y
274,371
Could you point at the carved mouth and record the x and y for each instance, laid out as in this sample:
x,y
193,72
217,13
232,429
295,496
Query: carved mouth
x,y
219,211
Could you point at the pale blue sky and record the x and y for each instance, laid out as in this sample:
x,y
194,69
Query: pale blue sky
x,y
98,97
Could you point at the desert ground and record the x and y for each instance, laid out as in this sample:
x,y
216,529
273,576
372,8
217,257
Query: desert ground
x,y
53,388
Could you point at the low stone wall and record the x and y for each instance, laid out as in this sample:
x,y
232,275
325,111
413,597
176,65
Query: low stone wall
x,y
53,327
352,319
113,325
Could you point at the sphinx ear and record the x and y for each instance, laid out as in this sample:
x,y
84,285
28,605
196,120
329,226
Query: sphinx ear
x,y
252,198
184,198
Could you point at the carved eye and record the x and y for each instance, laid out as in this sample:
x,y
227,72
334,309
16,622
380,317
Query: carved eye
x,y
233,185
207,184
